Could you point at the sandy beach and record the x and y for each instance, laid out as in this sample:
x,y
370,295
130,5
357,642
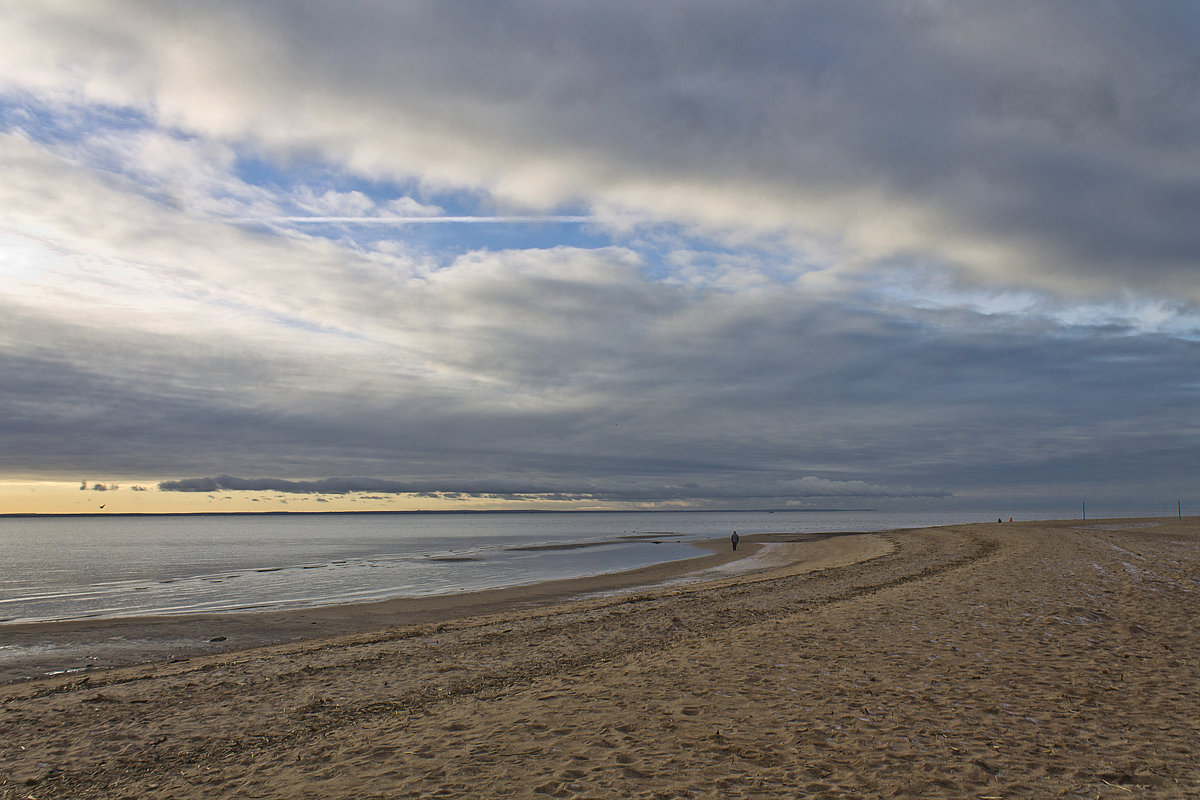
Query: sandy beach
x,y
1040,659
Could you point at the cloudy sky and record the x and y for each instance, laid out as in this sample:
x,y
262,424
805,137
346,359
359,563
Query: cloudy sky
x,y
905,254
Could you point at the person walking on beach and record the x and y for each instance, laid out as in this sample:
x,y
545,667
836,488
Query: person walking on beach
x,y
734,539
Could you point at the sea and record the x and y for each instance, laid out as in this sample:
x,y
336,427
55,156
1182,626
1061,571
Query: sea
x,y
77,567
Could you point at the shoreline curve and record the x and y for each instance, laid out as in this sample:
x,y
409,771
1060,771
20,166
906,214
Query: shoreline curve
x,y
33,650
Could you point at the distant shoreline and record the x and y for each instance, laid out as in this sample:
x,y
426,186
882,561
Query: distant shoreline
x,y
442,512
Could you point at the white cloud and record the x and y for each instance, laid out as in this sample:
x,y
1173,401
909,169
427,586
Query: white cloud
x,y
408,207
1026,145
333,203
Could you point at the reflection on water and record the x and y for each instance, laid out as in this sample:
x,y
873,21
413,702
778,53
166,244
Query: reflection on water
x,y
76,567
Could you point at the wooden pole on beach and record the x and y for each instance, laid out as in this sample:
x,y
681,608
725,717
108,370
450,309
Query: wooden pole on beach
x,y
1084,509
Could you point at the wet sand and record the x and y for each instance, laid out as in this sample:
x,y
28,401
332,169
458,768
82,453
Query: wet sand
x,y
35,650
987,661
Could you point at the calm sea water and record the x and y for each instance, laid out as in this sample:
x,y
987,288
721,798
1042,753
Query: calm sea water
x,y
77,567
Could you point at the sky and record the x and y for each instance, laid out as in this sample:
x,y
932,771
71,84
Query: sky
x,y
372,255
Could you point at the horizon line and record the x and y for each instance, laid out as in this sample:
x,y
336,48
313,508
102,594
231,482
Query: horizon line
x,y
16,514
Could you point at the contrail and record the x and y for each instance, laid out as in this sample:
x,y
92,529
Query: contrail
x,y
529,220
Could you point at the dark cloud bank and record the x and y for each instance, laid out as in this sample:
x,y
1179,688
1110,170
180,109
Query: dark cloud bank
x,y
807,487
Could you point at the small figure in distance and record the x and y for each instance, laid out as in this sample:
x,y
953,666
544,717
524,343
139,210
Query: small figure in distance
x,y
734,539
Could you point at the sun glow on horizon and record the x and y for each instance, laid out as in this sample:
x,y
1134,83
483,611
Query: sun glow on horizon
x,y
22,496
